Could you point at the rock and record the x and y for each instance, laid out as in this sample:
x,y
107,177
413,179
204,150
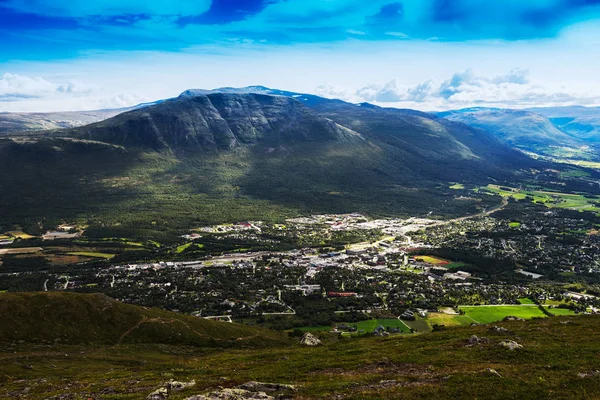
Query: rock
x,y
511,345
158,394
309,340
512,318
590,374
475,340
175,386
232,394
498,329
267,387
493,372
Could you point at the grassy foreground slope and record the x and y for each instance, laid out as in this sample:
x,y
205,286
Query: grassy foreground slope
x,y
558,360
95,318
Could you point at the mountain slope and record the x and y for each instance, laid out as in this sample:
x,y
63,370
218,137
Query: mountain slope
x,y
217,121
582,123
72,318
523,129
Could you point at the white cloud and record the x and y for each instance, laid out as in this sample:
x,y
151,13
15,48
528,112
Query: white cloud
x,y
25,93
466,89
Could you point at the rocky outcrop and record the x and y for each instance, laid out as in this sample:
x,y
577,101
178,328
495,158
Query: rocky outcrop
x,y
249,391
168,388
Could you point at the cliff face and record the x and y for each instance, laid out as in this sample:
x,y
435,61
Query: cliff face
x,y
216,122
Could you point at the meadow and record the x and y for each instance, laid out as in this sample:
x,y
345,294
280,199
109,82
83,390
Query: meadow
x,y
489,314
549,199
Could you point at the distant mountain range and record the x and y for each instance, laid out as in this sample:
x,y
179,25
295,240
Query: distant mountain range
x,y
536,129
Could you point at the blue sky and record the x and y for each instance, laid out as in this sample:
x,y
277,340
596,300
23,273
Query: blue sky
x,y
427,54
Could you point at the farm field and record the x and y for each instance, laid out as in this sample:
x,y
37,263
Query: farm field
x,y
440,262
19,235
91,254
20,250
489,314
561,311
448,320
549,199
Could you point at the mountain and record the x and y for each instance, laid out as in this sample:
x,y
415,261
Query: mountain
x,y
27,122
73,318
581,123
12,123
226,157
218,121
523,129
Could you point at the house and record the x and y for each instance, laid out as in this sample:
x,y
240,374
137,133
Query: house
x,y
342,294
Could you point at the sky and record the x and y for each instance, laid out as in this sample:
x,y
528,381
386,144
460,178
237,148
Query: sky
x,y
59,55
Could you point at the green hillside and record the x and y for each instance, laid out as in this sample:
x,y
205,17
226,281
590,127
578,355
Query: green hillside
x,y
558,360
71,318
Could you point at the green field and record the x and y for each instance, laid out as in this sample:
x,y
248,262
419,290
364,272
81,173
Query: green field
x,y
371,324
457,186
448,320
526,300
549,199
561,311
489,314
514,224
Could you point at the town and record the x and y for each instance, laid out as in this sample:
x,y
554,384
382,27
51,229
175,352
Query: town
x,y
350,274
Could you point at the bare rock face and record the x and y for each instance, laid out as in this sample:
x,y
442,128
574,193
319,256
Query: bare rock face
x,y
511,345
217,121
309,340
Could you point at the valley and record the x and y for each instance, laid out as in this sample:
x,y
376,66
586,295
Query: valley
x,y
243,221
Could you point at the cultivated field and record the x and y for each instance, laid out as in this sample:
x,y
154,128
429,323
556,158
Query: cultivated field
x,y
489,314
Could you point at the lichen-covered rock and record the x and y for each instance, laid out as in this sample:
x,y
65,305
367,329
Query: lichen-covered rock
x,y
309,340
159,394
511,345
177,386
232,394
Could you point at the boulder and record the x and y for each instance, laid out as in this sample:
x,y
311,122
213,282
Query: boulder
x,y
511,345
498,329
309,340
476,340
159,394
